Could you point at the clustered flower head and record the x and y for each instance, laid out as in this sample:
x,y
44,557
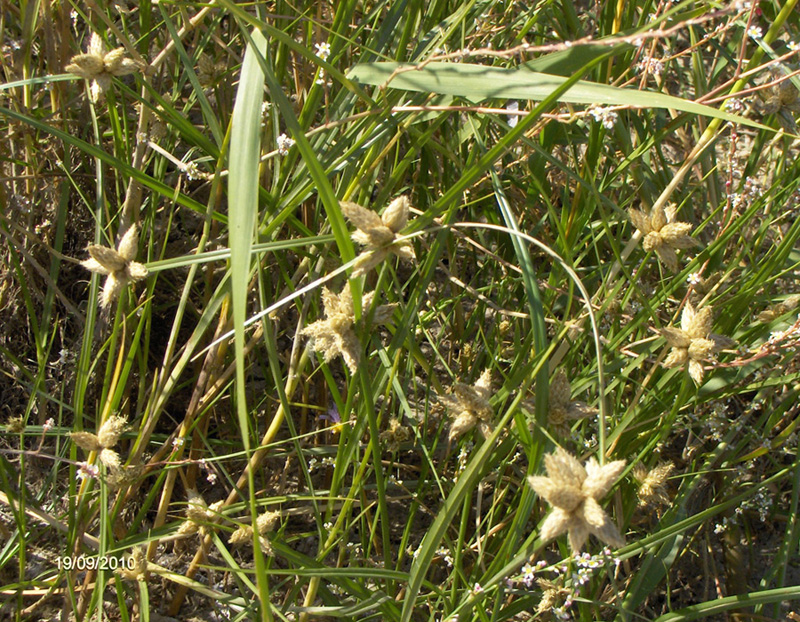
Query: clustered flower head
x,y
552,594
652,484
574,492
264,524
395,434
379,233
284,144
693,342
604,115
779,309
99,65
199,514
107,437
470,407
136,568
562,408
209,72
323,50
117,265
335,334
662,235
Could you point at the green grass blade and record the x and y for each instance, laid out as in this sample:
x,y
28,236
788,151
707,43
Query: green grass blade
x,y
479,82
243,187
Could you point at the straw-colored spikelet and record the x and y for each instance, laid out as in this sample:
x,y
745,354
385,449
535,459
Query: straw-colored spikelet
x,y
693,342
199,514
395,434
652,484
335,334
136,568
264,524
563,410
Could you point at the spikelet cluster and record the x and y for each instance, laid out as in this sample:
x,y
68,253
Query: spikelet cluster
x,y
117,265
99,65
199,514
780,308
107,437
652,489
335,335
265,523
574,492
378,234
395,434
693,342
562,409
136,568
469,407
662,235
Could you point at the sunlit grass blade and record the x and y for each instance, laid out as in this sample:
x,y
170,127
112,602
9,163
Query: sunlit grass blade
x,y
481,82
245,152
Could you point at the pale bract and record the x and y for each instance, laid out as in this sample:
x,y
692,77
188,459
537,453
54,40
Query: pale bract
x,y
574,492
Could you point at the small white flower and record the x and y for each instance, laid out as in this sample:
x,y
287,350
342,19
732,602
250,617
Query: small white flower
x,y
650,65
513,106
694,278
793,46
323,50
191,170
284,144
604,115
734,105
86,470
528,574
49,425
755,32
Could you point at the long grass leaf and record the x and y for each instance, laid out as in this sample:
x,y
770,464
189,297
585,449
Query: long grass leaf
x,y
480,82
